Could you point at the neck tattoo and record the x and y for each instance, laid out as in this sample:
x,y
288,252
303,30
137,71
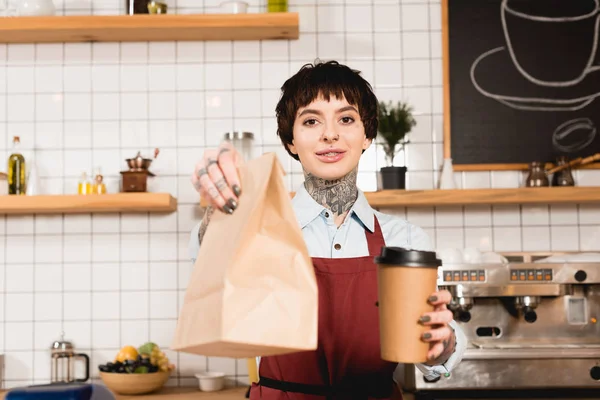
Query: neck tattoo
x,y
337,195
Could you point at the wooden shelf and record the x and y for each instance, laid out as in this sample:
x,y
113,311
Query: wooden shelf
x,y
459,197
546,195
78,204
135,28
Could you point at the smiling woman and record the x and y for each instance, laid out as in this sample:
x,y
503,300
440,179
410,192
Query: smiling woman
x,y
327,117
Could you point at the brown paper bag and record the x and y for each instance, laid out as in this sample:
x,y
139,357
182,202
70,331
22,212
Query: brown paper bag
x,y
253,290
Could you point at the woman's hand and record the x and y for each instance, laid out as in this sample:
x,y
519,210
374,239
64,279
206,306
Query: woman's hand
x,y
216,177
441,337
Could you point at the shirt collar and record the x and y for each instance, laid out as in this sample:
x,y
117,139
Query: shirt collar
x,y
307,209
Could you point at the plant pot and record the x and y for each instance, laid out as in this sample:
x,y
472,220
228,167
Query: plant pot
x,y
393,178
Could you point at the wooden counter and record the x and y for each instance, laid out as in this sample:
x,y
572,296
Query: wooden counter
x,y
183,393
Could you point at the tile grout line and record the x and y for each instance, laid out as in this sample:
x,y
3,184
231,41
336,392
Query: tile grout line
x,y
35,240
4,218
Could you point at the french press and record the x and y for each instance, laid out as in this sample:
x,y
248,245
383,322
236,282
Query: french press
x,y
63,362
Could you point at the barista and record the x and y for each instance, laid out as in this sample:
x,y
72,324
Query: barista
x,y
327,117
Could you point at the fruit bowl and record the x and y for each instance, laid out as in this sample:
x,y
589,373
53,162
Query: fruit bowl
x,y
134,383
137,370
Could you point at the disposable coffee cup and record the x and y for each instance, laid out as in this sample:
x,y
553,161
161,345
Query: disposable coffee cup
x,y
406,279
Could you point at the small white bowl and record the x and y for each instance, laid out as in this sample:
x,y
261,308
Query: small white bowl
x,y
210,381
234,7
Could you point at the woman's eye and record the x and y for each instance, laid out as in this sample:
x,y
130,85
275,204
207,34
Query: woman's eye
x,y
347,120
311,121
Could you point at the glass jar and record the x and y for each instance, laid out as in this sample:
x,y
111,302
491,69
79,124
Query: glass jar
x,y
537,176
136,7
243,143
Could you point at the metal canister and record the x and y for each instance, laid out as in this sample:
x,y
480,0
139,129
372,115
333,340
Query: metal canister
x,y
243,143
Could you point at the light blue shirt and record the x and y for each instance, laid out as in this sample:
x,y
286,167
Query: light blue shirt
x,y
321,235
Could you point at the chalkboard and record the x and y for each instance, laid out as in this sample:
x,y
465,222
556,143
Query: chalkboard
x,y
521,81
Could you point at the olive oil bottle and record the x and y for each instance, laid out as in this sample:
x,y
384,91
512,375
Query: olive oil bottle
x,y
277,6
16,170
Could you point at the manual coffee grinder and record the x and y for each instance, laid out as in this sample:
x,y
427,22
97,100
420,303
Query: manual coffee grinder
x,y
64,361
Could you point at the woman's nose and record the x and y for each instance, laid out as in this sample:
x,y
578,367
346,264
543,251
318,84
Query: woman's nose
x,y
330,134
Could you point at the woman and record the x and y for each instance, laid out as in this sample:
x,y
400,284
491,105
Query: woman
x,y
327,117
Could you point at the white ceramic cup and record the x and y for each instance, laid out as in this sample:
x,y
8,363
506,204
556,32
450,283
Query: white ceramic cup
x,y
210,381
37,8
450,256
7,9
472,255
234,7
489,257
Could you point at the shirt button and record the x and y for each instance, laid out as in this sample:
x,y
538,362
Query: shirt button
x,y
337,246
326,214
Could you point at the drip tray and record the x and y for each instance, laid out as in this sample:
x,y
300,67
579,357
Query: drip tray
x,y
515,351
478,345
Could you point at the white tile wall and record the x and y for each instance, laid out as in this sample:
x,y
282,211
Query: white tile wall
x,y
113,280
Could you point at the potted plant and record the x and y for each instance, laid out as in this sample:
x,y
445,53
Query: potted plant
x,y
395,122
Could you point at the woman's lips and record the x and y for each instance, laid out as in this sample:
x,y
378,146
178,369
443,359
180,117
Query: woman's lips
x,y
330,156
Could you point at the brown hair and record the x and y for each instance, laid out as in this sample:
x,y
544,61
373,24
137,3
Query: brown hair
x,y
324,79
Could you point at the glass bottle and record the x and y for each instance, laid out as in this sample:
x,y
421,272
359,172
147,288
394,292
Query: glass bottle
x,y
137,7
564,177
99,187
16,169
277,6
537,176
84,186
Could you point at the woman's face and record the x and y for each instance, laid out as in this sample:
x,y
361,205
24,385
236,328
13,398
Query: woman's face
x,y
329,138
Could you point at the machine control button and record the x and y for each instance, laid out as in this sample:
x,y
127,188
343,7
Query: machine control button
x,y
595,373
539,275
464,276
531,275
580,276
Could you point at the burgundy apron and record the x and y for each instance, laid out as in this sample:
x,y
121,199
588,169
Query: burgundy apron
x,y
347,363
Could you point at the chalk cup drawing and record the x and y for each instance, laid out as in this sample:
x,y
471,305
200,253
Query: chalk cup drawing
x,y
574,135
565,87
523,32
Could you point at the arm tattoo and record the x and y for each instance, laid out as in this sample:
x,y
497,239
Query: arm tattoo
x,y
205,220
449,347
337,195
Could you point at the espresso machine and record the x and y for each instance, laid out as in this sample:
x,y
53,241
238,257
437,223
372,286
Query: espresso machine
x,y
532,330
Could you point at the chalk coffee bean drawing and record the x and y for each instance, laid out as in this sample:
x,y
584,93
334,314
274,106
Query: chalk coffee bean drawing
x,y
574,135
567,86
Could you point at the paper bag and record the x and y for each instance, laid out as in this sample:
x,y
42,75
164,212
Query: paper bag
x,y
253,290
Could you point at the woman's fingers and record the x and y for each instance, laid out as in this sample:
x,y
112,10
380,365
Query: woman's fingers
x,y
214,196
439,298
216,178
435,351
228,159
438,317
437,334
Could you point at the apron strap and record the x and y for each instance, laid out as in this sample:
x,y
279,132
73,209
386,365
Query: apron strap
x,y
377,388
375,239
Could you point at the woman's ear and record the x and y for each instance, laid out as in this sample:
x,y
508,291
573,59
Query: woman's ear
x,y
367,143
292,148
